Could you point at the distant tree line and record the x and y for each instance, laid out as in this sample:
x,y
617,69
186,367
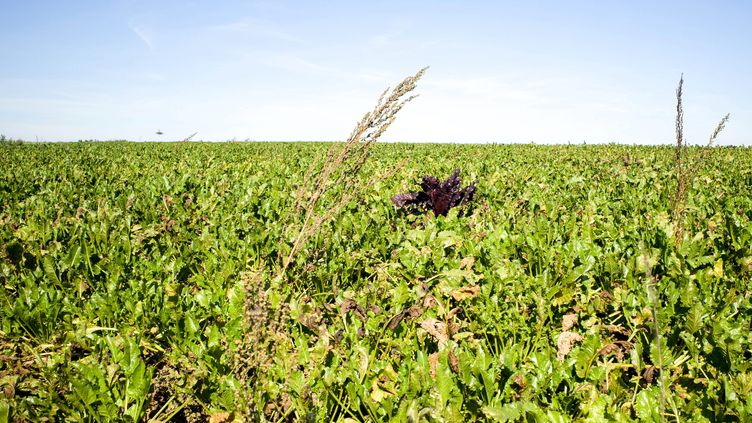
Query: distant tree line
x,y
4,139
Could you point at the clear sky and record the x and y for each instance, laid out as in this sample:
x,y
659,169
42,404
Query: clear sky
x,y
501,71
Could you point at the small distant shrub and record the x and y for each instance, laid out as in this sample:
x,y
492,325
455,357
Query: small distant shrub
x,y
8,140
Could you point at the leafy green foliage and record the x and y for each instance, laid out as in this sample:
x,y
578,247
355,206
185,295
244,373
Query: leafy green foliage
x,y
136,284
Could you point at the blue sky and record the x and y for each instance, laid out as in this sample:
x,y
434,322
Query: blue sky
x,y
501,71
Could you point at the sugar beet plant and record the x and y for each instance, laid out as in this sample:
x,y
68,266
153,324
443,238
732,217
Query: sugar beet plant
x,y
138,283
126,271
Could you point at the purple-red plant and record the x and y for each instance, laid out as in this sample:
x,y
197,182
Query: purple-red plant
x,y
438,196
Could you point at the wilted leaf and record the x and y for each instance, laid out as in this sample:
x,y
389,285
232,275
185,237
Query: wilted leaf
x,y
467,262
437,329
454,363
222,417
378,393
349,305
565,342
410,313
568,321
433,362
466,292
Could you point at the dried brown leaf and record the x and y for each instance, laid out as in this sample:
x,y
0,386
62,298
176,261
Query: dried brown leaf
x,y
433,362
437,329
649,374
429,301
312,320
454,363
396,320
349,305
612,348
466,292
220,417
565,342
618,348
568,321
467,262
411,313
607,296
619,330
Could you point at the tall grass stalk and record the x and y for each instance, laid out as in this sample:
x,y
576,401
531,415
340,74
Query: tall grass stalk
x,y
652,281
338,172
685,171
329,184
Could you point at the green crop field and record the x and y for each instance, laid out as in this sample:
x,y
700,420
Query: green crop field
x,y
142,281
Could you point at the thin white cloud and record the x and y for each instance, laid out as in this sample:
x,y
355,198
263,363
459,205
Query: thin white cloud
x,y
293,63
38,103
154,76
144,35
376,76
494,88
256,28
380,40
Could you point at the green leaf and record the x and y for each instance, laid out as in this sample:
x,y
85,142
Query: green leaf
x,y
585,355
138,382
191,325
49,269
695,318
74,257
647,404
131,356
297,381
84,391
214,337
509,412
444,382
666,357
202,298
4,411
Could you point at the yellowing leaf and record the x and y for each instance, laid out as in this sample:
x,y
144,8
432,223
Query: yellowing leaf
x,y
467,262
433,362
378,394
222,417
568,321
437,329
565,342
466,292
718,269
